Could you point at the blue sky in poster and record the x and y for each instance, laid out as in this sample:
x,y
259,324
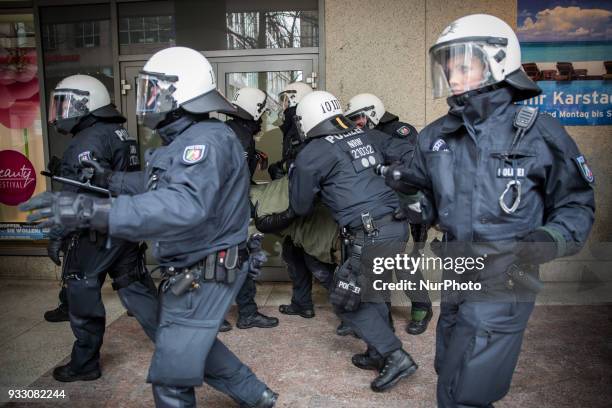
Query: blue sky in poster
x,y
564,21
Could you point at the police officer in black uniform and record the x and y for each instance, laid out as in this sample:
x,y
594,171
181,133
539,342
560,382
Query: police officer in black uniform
x,y
504,184
300,265
368,111
337,164
192,202
246,123
80,105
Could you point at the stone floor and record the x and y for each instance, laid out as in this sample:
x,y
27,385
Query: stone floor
x,y
566,359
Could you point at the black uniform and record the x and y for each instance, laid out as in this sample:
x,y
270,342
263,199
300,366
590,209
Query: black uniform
x,y
88,261
401,147
339,170
463,164
190,218
244,130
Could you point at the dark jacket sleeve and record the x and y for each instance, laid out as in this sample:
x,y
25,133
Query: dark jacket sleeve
x,y
305,179
394,149
416,173
569,197
173,210
124,182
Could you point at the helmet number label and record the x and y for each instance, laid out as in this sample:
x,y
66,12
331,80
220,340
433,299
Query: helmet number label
x,y
330,106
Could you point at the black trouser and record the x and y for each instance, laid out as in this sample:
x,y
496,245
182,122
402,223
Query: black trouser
x,y
371,321
188,353
63,297
302,267
478,340
418,297
246,298
86,265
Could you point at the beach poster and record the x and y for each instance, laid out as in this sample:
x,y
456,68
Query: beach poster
x,y
566,46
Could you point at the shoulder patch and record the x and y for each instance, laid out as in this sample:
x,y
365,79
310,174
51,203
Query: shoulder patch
x,y
194,154
584,168
123,135
403,131
86,155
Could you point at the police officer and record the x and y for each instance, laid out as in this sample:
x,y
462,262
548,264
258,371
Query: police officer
x,y
198,226
337,164
368,111
250,103
300,265
501,181
80,105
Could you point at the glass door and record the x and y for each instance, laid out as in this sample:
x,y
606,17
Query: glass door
x,y
268,75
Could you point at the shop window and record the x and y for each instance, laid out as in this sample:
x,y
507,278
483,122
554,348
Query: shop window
x,y
76,40
207,25
87,34
21,138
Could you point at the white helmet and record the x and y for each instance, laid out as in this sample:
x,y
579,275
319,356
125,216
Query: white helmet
x,y
250,102
75,97
292,94
177,77
320,114
367,105
483,50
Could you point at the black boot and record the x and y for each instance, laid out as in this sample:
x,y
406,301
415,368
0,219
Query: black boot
x,y
292,310
225,326
66,374
419,321
398,365
366,361
344,330
267,400
256,320
59,314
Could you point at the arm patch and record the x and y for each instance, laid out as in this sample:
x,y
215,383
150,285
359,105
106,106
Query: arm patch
x,y
403,131
194,154
585,169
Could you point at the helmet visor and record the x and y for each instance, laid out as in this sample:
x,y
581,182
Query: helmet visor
x,y
286,99
154,94
457,68
67,103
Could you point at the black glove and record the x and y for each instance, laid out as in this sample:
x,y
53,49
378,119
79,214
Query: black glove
x,y
276,171
69,210
55,166
257,256
54,248
274,222
96,173
393,179
536,248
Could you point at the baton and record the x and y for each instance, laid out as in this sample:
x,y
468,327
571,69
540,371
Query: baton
x,y
86,186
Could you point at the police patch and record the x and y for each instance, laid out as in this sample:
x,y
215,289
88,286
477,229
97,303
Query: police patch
x,y
403,131
86,155
585,170
194,153
439,145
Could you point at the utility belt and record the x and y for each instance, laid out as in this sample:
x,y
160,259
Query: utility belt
x,y
368,225
221,267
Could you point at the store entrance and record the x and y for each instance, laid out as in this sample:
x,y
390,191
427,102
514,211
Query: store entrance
x,y
233,73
